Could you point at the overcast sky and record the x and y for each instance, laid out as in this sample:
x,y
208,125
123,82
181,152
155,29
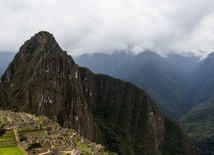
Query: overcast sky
x,y
87,26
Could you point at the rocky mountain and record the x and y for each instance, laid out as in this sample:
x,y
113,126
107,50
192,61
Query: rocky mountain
x,y
5,59
159,76
43,80
42,76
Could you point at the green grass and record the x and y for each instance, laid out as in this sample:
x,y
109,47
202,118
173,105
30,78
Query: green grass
x,y
10,151
8,144
83,147
26,131
9,132
29,128
8,136
55,135
35,133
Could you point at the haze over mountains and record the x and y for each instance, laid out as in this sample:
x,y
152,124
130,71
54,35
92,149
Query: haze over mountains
x,y
5,59
178,84
42,79
166,79
199,122
169,80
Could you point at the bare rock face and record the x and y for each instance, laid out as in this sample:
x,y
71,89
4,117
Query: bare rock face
x,y
44,80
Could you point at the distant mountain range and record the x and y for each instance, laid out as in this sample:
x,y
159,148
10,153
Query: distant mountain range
x,y
43,80
166,79
5,59
199,122
182,86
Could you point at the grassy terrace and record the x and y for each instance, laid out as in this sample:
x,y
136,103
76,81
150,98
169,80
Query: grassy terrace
x,y
37,135
8,144
10,151
31,131
8,138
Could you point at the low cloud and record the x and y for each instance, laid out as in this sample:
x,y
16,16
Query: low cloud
x,y
83,26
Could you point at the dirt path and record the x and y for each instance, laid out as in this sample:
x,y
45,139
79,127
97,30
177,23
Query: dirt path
x,y
22,149
73,152
44,152
8,118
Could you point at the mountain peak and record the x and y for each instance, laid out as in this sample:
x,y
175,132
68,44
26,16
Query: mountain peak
x,y
42,41
44,33
43,37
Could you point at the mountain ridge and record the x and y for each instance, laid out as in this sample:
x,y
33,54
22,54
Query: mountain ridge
x,y
138,70
42,71
197,75
44,80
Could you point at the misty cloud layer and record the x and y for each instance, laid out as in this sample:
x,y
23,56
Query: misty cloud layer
x,y
87,26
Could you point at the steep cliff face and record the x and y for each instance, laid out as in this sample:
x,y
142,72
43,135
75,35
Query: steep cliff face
x,y
5,101
125,114
44,80
163,81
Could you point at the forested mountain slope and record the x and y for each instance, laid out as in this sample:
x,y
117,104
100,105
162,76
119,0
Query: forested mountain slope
x,y
159,76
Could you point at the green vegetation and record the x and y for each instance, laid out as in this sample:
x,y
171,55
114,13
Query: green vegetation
x,y
169,93
8,144
112,119
86,147
199,125
26,131
172,139
30,128
83,146
8,136
10,151
5,101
